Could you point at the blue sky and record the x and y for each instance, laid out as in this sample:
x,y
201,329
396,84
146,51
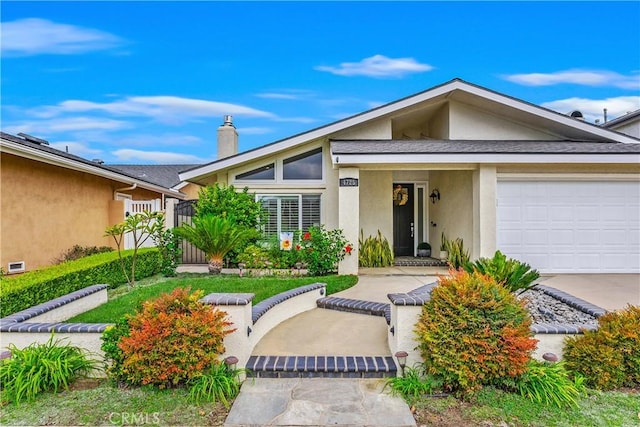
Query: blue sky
x,y
149,82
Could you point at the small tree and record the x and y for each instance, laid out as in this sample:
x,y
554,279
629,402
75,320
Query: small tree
x,y
239,207
141,226
216,236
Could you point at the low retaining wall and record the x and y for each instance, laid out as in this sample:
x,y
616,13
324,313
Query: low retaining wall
x,y
406,310
36,324
252,323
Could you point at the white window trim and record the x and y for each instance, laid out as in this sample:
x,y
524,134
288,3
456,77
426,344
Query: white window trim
x,y
299,196
278,163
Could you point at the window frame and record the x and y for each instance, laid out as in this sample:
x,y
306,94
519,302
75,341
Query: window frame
x,y
299,196
278,162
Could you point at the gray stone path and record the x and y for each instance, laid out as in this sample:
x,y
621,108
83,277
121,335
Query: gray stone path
x,y
317,402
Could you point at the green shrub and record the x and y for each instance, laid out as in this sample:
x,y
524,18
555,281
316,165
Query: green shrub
x,y
77,252
168,244
41,367
322,250
219,383
473,332
510,273
414,384
458,256
550,384
374,251
254,256
39,286
172,340
608,357
112,351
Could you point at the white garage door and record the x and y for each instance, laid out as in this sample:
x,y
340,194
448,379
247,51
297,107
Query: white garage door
x,y
571,227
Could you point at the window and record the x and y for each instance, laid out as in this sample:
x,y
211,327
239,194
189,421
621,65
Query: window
x,y
304,166
290,212
261,174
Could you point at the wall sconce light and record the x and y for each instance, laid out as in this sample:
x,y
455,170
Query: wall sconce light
x,y
402,360
435,195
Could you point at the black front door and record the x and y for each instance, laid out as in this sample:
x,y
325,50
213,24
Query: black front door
x,y
403,224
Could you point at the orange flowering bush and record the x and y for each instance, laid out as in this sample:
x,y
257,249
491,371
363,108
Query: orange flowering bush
x,y
172,339
474,332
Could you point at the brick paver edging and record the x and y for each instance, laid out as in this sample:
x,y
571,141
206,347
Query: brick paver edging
x,y
415,297
263,306
322,366
356,306
17,322
572,301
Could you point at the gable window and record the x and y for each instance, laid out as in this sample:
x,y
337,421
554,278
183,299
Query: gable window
x,y
290,212
304,166
261,174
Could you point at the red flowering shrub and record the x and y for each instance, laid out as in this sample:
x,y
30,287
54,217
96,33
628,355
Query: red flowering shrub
x,y
172,339
474,332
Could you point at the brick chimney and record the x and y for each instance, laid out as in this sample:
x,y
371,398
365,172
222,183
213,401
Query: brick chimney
x,y
227,139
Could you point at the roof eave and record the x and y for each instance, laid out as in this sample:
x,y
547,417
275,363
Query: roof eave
x,y
17,149
456,84
341,159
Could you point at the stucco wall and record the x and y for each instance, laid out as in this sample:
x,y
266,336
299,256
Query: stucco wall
x,y
467,122
376,207
378,129
453,213
439,124
632,129
48,209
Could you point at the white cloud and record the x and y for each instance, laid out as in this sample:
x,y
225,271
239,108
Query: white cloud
x,y
161,157
593,109
579,77
68,124
167,109
378,66
77,148
160,139
287,94
35,36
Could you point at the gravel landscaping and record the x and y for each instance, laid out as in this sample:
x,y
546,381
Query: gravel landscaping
x,y
547,309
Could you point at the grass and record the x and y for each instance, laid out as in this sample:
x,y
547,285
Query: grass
x,y
110,406
125,300
493,407
103,404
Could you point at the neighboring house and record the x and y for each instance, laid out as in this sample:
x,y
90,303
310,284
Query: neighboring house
x,y
52,200
164,175
498,172
628,124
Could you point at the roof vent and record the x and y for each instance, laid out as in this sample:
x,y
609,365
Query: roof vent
x,y
98,161
33,139
576,115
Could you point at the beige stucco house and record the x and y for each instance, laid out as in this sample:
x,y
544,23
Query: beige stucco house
x,y
51,200
500,173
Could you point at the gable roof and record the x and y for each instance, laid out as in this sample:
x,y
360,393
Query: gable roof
x,y
164,175
461,89
345,152
11,144
622,119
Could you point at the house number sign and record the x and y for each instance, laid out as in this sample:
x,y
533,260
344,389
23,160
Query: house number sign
x,y
348,182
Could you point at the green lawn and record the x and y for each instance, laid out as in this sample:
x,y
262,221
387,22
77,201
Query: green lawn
x,y
124,300
495,407
99,403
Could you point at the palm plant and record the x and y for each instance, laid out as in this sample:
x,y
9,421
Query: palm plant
x,y
215,236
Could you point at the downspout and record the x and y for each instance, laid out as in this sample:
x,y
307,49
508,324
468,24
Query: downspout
x,y
118,190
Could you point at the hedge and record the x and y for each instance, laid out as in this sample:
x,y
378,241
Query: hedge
x,y
35,287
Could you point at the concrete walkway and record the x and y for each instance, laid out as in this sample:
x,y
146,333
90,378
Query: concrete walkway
x,y
317,402
363,402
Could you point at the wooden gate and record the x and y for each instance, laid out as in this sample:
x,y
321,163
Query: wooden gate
x,y
132,207
184,212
